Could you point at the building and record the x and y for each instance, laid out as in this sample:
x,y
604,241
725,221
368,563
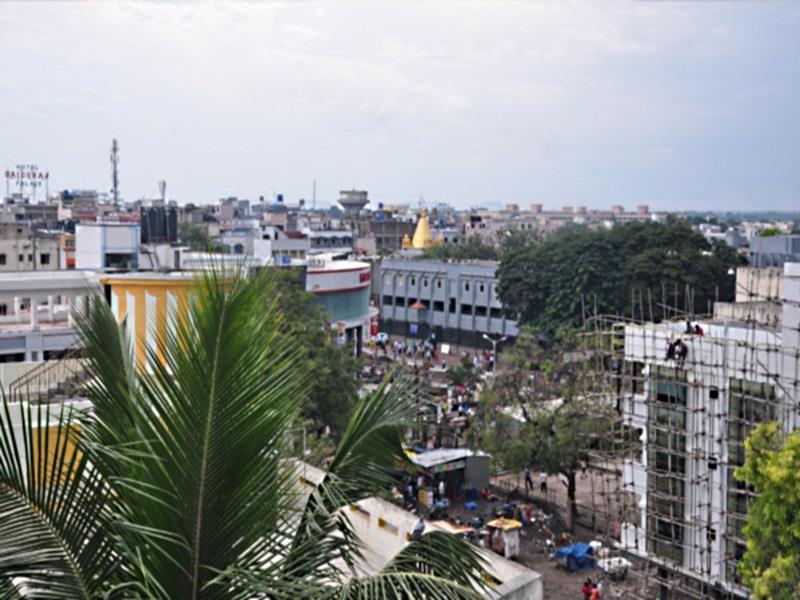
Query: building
x,y
328,241
25,249
774,251
457,300
150,302
100,246
384,529
694,417
342,288
35,313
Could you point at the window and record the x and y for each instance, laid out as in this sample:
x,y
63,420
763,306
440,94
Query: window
x,y
438,284
2,259
425,282
466,309
399,301
44,258
481,288
452,308
413,281
496,313
387,300
387,280
3,309
466,286
438,306
480,311
21,258
30,257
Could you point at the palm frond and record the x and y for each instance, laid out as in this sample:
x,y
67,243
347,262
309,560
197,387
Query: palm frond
x,y
55,537
371,448
439,565
197,466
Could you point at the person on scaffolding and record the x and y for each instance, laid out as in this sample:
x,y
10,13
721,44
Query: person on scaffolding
x,y
681,350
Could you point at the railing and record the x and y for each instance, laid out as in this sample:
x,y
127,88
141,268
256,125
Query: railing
x,y
50,379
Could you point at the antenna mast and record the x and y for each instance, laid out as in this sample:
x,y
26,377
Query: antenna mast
x,y
162,188
114,171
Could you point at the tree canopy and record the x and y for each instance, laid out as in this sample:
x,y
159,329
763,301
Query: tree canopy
x,y
473,248
540,411
197,239
332,385
629,269
771,564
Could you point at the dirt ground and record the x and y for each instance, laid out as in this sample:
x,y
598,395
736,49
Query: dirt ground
x,y
559,584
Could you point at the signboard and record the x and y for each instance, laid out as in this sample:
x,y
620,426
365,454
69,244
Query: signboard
x,y
451,466
26,177
413,329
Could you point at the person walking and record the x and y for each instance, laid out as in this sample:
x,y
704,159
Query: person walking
x,y
543,482
528,480
587,588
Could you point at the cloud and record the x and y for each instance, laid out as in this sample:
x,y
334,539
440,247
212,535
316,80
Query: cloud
x,y
470,102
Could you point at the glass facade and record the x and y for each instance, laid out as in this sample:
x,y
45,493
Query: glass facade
x,y
749,405
343,306
666,455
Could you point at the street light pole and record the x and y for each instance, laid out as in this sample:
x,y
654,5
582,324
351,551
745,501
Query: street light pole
x,y
494,348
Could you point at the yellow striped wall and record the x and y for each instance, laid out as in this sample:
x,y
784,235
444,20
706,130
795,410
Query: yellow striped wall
x,y
149,304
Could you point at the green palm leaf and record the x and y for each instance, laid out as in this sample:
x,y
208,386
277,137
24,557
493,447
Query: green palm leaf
x,y
55,537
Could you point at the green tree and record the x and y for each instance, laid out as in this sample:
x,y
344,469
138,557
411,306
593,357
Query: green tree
x,y
769,232
196,238
473,248
578,271
182,483
540,411
332,386
771,564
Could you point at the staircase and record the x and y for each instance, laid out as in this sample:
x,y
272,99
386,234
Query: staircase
x,y
51,380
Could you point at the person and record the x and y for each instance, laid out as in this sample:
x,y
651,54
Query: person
x,y
671,350
594,594
680,353
529,512
600,589
543,482
419,529
442,489
698,330
689,328
587,588
528,480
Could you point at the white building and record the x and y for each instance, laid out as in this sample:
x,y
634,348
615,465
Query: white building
x,y
107,246
694,418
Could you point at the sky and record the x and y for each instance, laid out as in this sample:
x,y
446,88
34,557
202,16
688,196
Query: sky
x,y
679,105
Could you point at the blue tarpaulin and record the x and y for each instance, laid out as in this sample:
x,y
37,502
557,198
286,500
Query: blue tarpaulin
x,y
576,557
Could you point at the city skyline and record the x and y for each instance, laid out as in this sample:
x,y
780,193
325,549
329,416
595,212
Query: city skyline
x,y
678,106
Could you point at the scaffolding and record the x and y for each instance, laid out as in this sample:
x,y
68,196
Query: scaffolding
x,y
668,498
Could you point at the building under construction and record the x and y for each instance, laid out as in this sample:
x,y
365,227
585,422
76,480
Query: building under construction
x,y
689,391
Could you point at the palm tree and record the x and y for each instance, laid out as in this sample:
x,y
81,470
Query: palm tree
x,y
178,482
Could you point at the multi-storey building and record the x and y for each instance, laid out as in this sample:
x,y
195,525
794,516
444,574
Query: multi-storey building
x,y
101,246
457,300
24,249
694,414
774,251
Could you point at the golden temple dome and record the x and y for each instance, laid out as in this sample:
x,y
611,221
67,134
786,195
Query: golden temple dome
x,y
423,238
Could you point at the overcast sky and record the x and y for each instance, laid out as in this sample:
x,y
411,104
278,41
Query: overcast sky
x,y
675,104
